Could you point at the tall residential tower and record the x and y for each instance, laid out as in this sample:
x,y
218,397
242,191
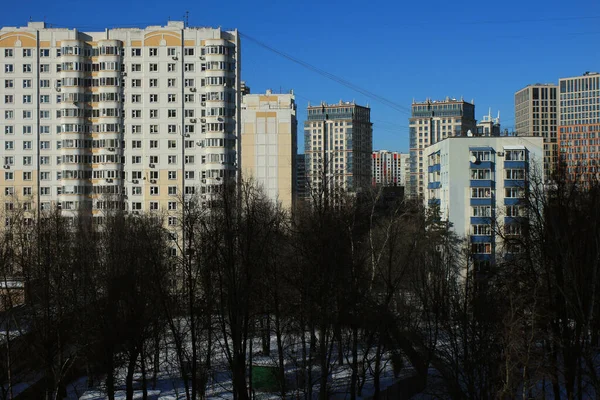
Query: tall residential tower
x,y
432,121
536,115
269,144
338,141
123,118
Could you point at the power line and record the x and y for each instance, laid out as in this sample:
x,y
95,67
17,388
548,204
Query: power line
x,y
398,107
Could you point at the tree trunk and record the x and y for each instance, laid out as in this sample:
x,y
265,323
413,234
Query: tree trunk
x,y
354,363
144,380
129,377
110,377
377,373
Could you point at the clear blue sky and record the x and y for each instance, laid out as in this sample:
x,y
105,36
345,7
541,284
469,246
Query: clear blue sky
x,y
481,50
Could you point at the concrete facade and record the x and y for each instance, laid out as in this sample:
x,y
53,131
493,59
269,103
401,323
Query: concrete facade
x,y
269,144
388,168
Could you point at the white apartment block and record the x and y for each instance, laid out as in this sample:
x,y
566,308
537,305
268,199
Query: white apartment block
x,y
389,168
338,143
269,144
478,183
124,118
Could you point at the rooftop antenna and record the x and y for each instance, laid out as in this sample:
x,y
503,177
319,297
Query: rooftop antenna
x,y
498,116
187,19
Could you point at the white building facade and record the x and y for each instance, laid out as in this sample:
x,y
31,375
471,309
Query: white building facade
x,y
479,184
120,119
388,168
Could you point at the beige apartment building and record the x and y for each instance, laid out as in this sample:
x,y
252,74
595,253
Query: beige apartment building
x,y
536,114
269,144
123,118
338,143
389,168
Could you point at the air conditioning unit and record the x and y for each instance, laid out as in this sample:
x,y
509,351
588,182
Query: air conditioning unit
x,y
500,154
192,89
203,180
203,120
135,181
135,212
152,180
220,119
123,73
193,120
186,135
202,58
6,166
203,103
199,143
111,149
175,58
109,180
151,165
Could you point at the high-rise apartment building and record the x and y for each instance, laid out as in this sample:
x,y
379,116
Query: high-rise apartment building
x,y
388,168
338,142
536,114
488,126
269,144
579,125
123,118
479,184
301,182
430,122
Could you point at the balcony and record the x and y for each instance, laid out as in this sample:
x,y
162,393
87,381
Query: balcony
x,y
434,168
514,220
482,201
483,165
483,183
434,202
520,183
481,220
516,164
512,201
434,185
481,239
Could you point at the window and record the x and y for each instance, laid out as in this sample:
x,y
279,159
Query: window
x,y
153,175
512,229
515,174
136,190
26,83
188,51
9,114
26,114
481,193
189,98
136,52
153,113
8,53
27,191
172,113
44,129
136,67
172,175
172,144
136,159
189,83
154,144
136,113
27,145
45,145
44,52
26,99
136,144
153,82
172,205
481,248
154,98
26,52
153,159
45,83
9,83
481,155
172,128
171,67
482,211
171,51
8,99
172,190
189,175
513,192
172,159
45,176
136,129
27,160
171,82
9,160
136,206
45,68
172,221
189,67
8,68
153,67
136,83
9,176
154,190
9,191
153,205
153,128
172,98
478,174
45,191
153,51
514,211
45,98
26,67
189,159
26,175
515,155
478,230
44,160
